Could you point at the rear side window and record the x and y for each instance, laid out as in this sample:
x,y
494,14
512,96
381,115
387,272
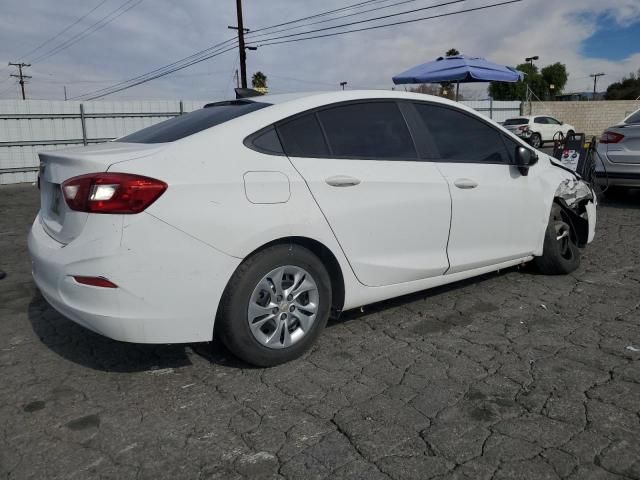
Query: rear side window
x,y
302,137
375,130
194,122
541,120
461,138
516,121
633,118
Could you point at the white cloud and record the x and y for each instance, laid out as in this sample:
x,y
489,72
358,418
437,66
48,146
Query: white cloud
x,y
161,31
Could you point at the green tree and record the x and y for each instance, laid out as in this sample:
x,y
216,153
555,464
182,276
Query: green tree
x,y
452,52
538,82
556,75
259,80
626,89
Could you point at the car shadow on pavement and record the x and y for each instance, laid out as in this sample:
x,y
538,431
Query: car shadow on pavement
x,y
621,198
428,325
84,347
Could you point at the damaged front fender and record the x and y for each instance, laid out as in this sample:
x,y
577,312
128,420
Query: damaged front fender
x,y
577,200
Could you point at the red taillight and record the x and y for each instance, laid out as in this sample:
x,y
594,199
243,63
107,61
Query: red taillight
x,y
95,281
111,192
611,137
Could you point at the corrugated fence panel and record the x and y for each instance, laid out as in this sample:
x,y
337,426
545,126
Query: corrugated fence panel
x,y
57,124
32,126
498,111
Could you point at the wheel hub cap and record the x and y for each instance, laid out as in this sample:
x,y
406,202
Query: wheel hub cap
x,y
283,307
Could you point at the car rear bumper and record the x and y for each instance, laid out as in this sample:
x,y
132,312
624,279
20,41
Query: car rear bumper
x,y
610,173
163,296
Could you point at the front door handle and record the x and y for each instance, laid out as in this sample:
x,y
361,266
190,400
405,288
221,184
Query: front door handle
x,y
465,183
342,181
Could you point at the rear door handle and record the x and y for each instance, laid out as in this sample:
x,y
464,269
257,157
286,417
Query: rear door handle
x,y
465,183
342,181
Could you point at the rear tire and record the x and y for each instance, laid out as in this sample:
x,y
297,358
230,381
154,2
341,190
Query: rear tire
x,y
536,140
275,305
560,253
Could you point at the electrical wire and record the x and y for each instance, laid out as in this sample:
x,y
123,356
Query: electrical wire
x,y
104,21
402,22
64,30
94,97
162,71
211,49
249,37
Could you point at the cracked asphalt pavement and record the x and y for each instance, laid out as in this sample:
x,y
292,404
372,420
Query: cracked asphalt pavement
x,y
510,375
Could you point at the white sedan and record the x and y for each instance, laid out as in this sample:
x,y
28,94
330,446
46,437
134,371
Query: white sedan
x,y
538,129
258,219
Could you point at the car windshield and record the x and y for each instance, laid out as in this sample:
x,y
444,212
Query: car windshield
x,y
179,127
516,121
634,117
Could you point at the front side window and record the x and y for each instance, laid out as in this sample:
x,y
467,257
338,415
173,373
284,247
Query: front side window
x,y
194,122
459,137
373,130
552,121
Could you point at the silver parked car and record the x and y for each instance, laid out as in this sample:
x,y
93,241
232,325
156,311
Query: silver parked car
x,y
619,150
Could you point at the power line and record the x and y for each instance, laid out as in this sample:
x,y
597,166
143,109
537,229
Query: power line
x,y
359,22
203,53
110,17
322,14
269,42
162,71
251,35
66,29
93,97
159,69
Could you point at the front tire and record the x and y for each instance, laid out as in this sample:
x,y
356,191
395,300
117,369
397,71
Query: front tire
x,y
560,253
275,305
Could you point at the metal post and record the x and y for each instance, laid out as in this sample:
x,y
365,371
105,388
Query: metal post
x,y
84,126
457,90
181,108
491,108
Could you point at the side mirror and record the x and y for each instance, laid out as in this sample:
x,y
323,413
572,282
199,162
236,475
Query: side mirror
x,y
525,158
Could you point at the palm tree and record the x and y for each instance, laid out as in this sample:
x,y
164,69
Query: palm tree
x,y
259,80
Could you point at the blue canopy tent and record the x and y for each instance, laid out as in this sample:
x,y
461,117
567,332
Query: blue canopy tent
x,y
459,69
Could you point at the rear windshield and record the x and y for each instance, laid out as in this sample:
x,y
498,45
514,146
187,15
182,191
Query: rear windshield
x,y
633,118
516,121
194,122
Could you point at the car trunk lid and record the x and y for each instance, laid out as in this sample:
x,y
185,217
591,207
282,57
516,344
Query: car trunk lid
x,y
58,220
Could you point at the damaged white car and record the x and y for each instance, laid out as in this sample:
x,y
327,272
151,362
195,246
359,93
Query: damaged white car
x,y
256,219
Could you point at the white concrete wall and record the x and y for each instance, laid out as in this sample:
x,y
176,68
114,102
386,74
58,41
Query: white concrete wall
x,y
591,118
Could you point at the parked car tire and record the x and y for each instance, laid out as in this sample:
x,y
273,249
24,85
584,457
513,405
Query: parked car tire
x,y
560,253
535,140
570,133
275,305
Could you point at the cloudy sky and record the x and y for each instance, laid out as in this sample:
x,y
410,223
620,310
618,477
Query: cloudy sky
x,y
587,35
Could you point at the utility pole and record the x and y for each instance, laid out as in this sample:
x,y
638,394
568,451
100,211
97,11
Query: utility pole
x,y
65,93
243,53
20,75
595,82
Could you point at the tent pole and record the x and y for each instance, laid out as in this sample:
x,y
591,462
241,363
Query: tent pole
x,y
457,90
